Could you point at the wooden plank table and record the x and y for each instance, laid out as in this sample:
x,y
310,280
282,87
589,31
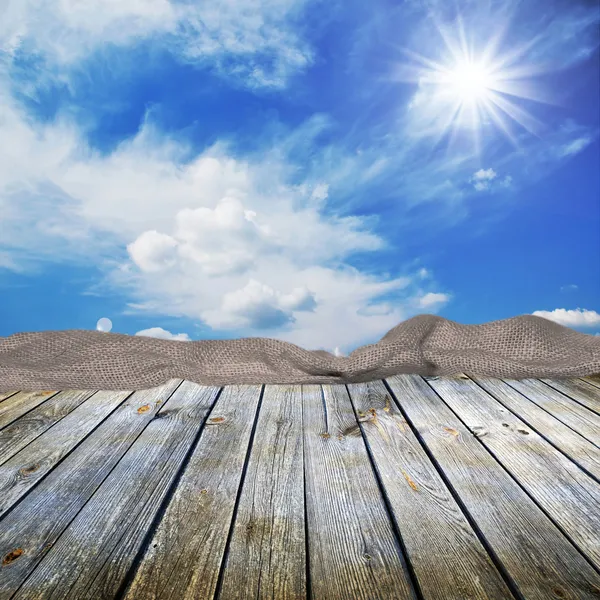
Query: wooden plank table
x,y
404,488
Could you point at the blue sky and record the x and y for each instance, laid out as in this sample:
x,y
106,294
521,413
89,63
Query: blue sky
x,y
310,171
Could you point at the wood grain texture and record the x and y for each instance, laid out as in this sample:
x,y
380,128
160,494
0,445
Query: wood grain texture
x,y
447,557
584,392
569,496
576,447
107,533
25,469
353,551
34,525
267,554
186,552
537,557
5,395
565,409
592,379
434,490
19,404
31,425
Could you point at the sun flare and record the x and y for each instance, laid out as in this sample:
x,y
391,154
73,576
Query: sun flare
x,y
470,82
472,89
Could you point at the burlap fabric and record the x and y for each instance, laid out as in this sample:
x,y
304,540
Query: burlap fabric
x,y
521,347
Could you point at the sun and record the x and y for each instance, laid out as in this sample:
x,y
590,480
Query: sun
x,y
471,89
470,82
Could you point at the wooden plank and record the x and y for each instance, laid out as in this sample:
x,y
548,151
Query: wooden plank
x,y
353,551
267,553
537,557
184,556
21,403
542,563
33,526
583,452
109,531
5,395
582,391
593,379
444,551
577,417
25,469
21,432
562,490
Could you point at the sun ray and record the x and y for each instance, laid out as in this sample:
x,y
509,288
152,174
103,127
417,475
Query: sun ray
x,y
470,88
519,115
451,119
497,118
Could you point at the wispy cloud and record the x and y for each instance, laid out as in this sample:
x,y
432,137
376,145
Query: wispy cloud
x,y
574,147
569,288
257,42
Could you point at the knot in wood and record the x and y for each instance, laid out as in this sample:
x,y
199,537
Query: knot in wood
x,y
12,556
29,470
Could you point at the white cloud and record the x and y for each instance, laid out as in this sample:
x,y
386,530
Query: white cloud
x,y
163,334
484,175
69,29
153,251
219,240
320,192
222,240
571,318
260,306
248,29
433,300
232,36
481,179
487,179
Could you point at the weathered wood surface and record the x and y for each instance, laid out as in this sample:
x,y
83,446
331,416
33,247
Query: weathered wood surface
x,y
576,447
20,404
353,549
108,532
593,380
584,392
185,554
578,417
447,557
536,557
31,425
428,488
21,472
5,395
267,553
34,525
569,496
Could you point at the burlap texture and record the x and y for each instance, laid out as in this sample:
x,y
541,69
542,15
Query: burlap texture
x,y
520,347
